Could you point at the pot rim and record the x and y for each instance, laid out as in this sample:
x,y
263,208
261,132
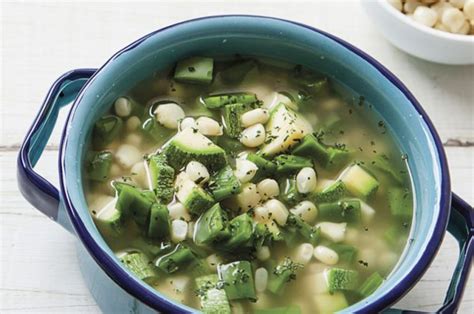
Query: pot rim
x,y
134,288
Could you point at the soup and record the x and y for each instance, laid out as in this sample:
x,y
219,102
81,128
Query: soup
x,y
248,185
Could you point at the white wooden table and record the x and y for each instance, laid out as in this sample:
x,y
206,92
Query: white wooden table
x,y
40,41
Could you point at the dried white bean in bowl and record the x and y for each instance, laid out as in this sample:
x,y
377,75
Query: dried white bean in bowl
x,y
254,116
197,172
306,180
253,136
268,188
209,126
169,115
123,107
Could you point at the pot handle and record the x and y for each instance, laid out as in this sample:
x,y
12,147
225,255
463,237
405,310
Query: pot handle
x,y
35,189
461,226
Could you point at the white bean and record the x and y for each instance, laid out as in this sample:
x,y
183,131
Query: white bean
x,y
122,107
268,188
245,170
464,30
254,116
213,261
425,16
469,9
367,212
187,122
179,230
410,6
115,170
133,139
260,214
197,172
263,253
139,174
306,210
303,253
458,3
127,155
440,7
178,211
277,211
453,19
333,231
441,27
132,124
325,255
248,198
261,279
169,115
306,180
397,4
208,126
253,136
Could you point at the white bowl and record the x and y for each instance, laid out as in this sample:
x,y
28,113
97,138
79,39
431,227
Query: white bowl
x,y
419,40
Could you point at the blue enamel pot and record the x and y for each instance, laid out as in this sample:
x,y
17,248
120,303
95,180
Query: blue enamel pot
x,y
91,91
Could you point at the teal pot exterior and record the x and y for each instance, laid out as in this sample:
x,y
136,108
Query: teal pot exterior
x,y
92,92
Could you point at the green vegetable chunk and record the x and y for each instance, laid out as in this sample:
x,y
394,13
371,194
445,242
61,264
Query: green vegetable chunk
x,y
266,168
110,220
192,196
327,303
347,210
224,184
289,193
341,279
190,145
281,275
138,264
155,131
98,165
359,182
400,202
330,193
241,230
195,70
132,201
308,233
347,253
238,280
383,163
311,82
236,72
212,295
106,129
371,284
232,113
211,226
159,226
162,178
221,100
180,258
286,164
291,309
326,156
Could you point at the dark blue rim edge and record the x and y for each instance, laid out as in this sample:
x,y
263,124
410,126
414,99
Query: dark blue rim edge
x,y
151,299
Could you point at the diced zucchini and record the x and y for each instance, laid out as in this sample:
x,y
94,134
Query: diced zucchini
x,y
290,309
135,203
308,233
162,178
326,156
347,210
311,82
332,121
109,219
180,258
224,184
236,72
194,70
106,129
336,157
212,295
241,232
190,145
284,130
400,202
98,165
221,100
159,226
286,164
330,303
330,193
347,253
371,284
211,226
359,182
155,131
266,168
281,275
289,193
238,280
192,196
341,279
382,163
232,113
138,264
395,236
231,146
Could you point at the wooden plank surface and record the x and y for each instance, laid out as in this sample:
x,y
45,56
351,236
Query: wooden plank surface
x,y
40,40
